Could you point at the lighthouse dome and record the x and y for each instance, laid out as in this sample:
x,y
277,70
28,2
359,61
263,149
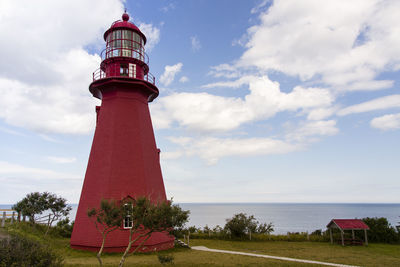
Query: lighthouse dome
x,y
124,24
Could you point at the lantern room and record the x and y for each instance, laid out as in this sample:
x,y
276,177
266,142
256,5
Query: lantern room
x,y
124,55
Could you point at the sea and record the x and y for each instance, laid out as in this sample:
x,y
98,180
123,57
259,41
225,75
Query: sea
x,y
286,217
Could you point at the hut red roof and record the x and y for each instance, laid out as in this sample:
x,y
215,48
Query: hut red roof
x,y
348,224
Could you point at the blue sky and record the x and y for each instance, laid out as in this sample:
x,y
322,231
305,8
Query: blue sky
x,y
260,101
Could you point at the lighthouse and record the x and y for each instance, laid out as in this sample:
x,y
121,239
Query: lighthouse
x,y
124,159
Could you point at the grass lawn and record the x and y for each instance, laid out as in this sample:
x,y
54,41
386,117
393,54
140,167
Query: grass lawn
x,y
373,255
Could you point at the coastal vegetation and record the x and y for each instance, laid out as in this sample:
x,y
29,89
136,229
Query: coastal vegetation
x,y
33,244
107,218
34,204
17,250
142,216
373,255
243,227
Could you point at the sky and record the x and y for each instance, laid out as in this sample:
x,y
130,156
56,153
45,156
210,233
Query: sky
x,y
260,101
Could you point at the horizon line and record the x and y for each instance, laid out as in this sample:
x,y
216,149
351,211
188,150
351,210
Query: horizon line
x,y
396,203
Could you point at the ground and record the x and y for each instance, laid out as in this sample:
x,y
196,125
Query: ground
x,y
372,255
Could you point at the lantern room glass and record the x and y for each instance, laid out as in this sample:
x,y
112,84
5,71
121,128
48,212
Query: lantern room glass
x,y
125,43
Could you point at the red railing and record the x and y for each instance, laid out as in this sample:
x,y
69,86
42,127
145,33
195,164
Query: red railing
x,y
113,72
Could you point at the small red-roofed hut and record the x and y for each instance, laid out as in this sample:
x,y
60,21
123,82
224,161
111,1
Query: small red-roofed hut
x,y
348,224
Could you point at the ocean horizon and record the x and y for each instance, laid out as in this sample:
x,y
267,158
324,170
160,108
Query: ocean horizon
x,y
286,217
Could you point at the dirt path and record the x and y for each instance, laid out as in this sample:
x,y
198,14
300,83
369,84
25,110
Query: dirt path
x,y
202,248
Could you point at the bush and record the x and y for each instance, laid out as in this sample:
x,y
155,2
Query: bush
x,y
21,251
165,258
241,224
64,228
381,231
36,203
265,228
317,232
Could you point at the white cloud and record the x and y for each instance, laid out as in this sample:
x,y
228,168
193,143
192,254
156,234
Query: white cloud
x,y
386,122
204,112
44,76
183,79
169,73
9,131
312,129
225,70
386,102
260,6
195,43
61,160
213,149
168,7
12,170
52,108
244,80
344,44
321,113
207,112
49,138
152,34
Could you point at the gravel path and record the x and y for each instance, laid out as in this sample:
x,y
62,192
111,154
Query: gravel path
x,y
202,248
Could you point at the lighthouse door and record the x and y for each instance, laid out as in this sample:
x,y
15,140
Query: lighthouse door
x,y
132,70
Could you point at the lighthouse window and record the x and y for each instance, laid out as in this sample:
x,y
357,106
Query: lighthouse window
x,y
117,34
137,41
123,70
126,35
128,222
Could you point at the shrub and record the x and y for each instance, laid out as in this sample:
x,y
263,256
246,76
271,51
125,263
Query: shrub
x,y
21,251
241,224
193,229
317,232
36,203
165,258
151,217
380,230
31,205
64,228
265,228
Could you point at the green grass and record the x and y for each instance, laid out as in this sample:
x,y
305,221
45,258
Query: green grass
x,y
373,255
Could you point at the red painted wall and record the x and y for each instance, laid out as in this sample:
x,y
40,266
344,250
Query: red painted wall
x,y
123,162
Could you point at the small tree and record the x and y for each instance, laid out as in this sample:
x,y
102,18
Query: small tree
x,y
36,203
240,224
380,230
217,229
64,227
107,218
147,217
265,228
33,204
58,208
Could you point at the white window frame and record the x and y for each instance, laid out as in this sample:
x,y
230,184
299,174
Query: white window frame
x,y
132,70
128,220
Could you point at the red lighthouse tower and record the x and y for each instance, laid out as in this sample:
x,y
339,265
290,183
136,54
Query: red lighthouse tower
x,y
124,159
